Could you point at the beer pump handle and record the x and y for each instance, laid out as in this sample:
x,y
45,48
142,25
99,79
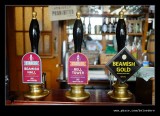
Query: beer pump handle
x,y
34,33
121,32
78,33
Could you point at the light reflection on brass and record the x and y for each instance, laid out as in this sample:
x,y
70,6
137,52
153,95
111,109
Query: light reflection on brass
x,y
77,93
120,92
36,91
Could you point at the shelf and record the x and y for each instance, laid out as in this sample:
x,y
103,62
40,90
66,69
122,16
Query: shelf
x,y
97,66
111,15
92,66
135,34
103,34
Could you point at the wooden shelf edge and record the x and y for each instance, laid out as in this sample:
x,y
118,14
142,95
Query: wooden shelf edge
x,y
97,66
93,66
111,15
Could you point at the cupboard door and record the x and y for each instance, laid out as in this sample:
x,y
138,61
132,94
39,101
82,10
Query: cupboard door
x,y
18,43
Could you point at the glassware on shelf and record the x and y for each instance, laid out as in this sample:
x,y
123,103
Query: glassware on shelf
x,y
114,25
89,27
134,48
128,44
104,26
110,49
84,26
110,25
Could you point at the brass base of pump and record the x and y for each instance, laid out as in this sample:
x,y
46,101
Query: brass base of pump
x,y
120,92
36,92
77,93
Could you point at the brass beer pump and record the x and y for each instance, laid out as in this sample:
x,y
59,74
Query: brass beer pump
x,y
120,92
77,92
36,91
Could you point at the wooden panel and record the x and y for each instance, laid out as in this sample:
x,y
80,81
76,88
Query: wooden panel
x,y
145,29
144,90
47,22
27,17
49,79
19,43
18,18
21,86
47,44
27,43
153,90
40,46
18,85
57,97
103,42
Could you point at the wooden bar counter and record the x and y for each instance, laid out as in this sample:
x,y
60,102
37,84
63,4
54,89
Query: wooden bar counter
x,y
98,97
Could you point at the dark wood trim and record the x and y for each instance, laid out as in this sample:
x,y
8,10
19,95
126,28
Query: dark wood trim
x,y
57,97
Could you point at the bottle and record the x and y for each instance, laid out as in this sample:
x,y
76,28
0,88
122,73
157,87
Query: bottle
x,y
145,59
138,28
89,27
121,31
34,33
134,48
110,25
128,45
129,28
78,33
104,26
151,14
110,49
132,28
84,26
115,25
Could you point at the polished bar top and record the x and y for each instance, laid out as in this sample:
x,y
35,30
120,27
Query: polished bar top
x,y
57,97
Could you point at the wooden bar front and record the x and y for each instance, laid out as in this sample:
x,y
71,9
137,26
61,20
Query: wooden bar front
x,y
57,97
